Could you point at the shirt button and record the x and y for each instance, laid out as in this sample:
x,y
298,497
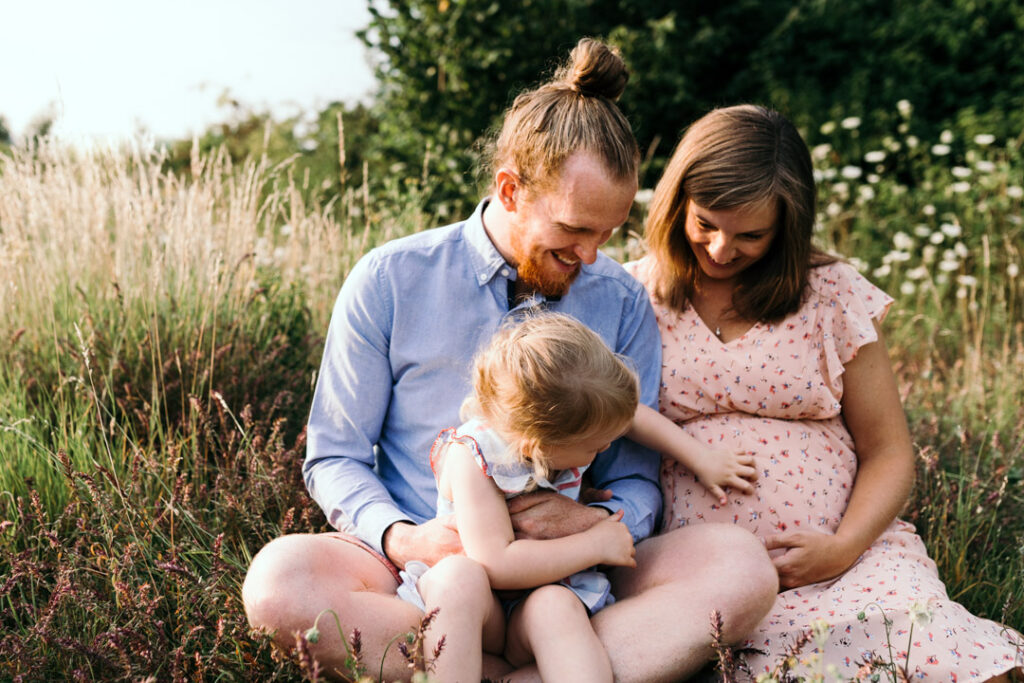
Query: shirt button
x,y
504,272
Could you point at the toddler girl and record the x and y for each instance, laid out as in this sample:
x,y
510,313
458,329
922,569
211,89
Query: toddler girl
x,y
548,396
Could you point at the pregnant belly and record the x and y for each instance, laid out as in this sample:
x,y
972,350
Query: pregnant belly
x,y
805,475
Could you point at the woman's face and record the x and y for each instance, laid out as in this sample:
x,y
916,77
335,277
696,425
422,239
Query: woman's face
x,y
728,241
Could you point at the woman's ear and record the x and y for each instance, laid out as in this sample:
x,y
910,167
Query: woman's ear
x,y
506,184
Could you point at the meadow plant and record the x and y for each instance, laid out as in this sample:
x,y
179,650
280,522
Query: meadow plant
x,y
159,339
159,350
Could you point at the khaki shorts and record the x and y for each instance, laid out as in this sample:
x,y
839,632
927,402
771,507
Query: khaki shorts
x,y
348,538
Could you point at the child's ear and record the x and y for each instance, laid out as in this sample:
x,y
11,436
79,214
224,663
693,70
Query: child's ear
x,y
529,449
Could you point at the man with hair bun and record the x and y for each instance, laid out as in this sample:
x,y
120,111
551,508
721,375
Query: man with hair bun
x,y
406,324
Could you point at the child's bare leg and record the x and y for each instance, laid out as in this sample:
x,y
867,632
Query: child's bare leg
x,y
552,627
469,618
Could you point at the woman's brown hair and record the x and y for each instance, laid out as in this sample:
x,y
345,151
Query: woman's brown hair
x,y
733,157
575,111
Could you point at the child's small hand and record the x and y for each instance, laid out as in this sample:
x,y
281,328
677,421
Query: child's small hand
x,y
615,542
716,469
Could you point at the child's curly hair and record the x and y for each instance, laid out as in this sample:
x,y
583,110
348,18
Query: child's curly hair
x,y
549,380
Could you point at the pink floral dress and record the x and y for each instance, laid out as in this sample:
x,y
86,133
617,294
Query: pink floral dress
x,y
776,391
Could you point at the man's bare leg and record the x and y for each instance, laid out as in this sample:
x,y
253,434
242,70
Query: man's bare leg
x,y
659,627
293,578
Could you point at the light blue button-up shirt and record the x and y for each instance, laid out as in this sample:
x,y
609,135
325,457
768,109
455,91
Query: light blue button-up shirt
x,y
409,318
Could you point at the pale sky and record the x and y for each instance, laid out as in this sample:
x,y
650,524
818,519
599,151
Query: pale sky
x,y
110,68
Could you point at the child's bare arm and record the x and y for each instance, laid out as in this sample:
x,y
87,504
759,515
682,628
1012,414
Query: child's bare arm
x,y
714,468
487,536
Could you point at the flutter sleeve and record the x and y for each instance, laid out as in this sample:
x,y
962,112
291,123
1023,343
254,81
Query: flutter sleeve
x,y
511,476
851,304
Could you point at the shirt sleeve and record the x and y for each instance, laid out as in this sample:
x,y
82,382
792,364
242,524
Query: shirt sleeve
x,y
628,469
349,405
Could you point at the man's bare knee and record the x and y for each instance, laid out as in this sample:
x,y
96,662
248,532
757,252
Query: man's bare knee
x,y
275,568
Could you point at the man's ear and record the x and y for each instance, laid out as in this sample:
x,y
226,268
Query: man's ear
x,y
506,184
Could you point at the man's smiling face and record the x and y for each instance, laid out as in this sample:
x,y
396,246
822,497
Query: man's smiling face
x,y
556,231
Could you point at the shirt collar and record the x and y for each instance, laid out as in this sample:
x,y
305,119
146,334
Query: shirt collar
x,y
487,261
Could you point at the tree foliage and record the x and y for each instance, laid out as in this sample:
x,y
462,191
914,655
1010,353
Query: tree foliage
x,y
448,68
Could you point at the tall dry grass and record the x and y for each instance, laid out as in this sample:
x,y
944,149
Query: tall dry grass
x,y
160,334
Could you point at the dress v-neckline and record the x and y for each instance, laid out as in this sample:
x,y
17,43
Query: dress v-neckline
x,y
721,341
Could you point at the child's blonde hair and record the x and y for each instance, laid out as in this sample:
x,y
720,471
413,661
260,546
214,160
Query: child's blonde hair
x,y
550,380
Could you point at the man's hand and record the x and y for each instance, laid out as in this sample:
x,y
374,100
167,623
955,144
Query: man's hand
x,y
809,557
541,515
428,542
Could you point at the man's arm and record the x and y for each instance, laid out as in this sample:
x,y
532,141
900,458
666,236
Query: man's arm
x,y
351,399
628,469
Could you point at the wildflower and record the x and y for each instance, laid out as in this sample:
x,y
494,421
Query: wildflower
x,y
842,189
961,293
873,178
948,266
921,613
644,196
833,209
928,253
907,288
961,172
1012,270
866,192
882,271
912,141
919,273
936,237
940,150
902,240
951,229
960,249
828,173
859,264
967,281
820,152
928,210
850,122
904,107
960,187
984,166
946,136
286,230
313,634
851,172
875,157
828,127
984,139
922,230
1015,191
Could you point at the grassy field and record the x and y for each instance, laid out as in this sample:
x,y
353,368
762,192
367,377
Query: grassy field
x,y
159,339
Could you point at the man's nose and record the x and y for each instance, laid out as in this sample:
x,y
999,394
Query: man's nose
x,y
586,250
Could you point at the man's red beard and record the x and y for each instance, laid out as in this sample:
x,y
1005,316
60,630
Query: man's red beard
x,y
532,274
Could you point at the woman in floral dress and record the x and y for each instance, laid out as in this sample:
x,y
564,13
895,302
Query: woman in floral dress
x,y
773,347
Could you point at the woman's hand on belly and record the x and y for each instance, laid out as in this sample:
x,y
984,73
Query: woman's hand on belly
x,y
808,556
